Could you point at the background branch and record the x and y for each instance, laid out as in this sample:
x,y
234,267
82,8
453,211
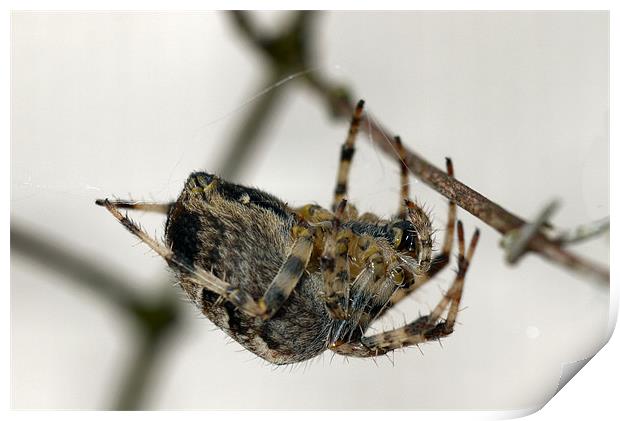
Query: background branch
x,y
153,318
248,134
291,52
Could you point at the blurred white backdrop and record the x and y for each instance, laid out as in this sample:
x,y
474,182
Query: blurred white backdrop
x,y
128,104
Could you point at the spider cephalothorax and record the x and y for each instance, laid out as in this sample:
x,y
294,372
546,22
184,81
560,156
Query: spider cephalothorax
x,y
289,283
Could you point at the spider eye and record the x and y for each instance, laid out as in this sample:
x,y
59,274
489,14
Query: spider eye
x,y
408,237
409,240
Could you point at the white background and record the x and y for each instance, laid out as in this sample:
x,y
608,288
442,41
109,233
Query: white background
x,y
128,104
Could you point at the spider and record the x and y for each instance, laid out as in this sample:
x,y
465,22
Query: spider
x,y
289,283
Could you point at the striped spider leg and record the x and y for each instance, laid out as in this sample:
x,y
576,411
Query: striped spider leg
x,y
425,328
265,307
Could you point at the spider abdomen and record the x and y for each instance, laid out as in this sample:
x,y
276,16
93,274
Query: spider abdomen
x,y
243,236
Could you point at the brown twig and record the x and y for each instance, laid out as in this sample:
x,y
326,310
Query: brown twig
x,y
505,222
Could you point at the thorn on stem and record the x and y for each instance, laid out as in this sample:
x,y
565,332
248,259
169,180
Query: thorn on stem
x,y
516,241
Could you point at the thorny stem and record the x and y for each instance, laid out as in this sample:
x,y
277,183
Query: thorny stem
x,y
465,197
338,101
515,242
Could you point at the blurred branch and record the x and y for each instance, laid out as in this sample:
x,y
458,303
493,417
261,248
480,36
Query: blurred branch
x,y
249,133
290,51
337,99
516,241
153,318
584,232
152,340
84,273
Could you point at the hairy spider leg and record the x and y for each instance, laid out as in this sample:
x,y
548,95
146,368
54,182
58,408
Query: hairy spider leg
x,y
289,274
441,260
425,328
346,155
274,297
156,207
404,178
335,267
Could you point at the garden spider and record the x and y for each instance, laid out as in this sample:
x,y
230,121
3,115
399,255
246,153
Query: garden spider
x,y
289,283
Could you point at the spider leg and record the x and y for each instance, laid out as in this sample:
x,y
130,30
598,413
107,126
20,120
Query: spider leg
x,y
135,229
157,207
335,267
276,294
313,214
289,274
441,260
404,178
346,155
425,328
